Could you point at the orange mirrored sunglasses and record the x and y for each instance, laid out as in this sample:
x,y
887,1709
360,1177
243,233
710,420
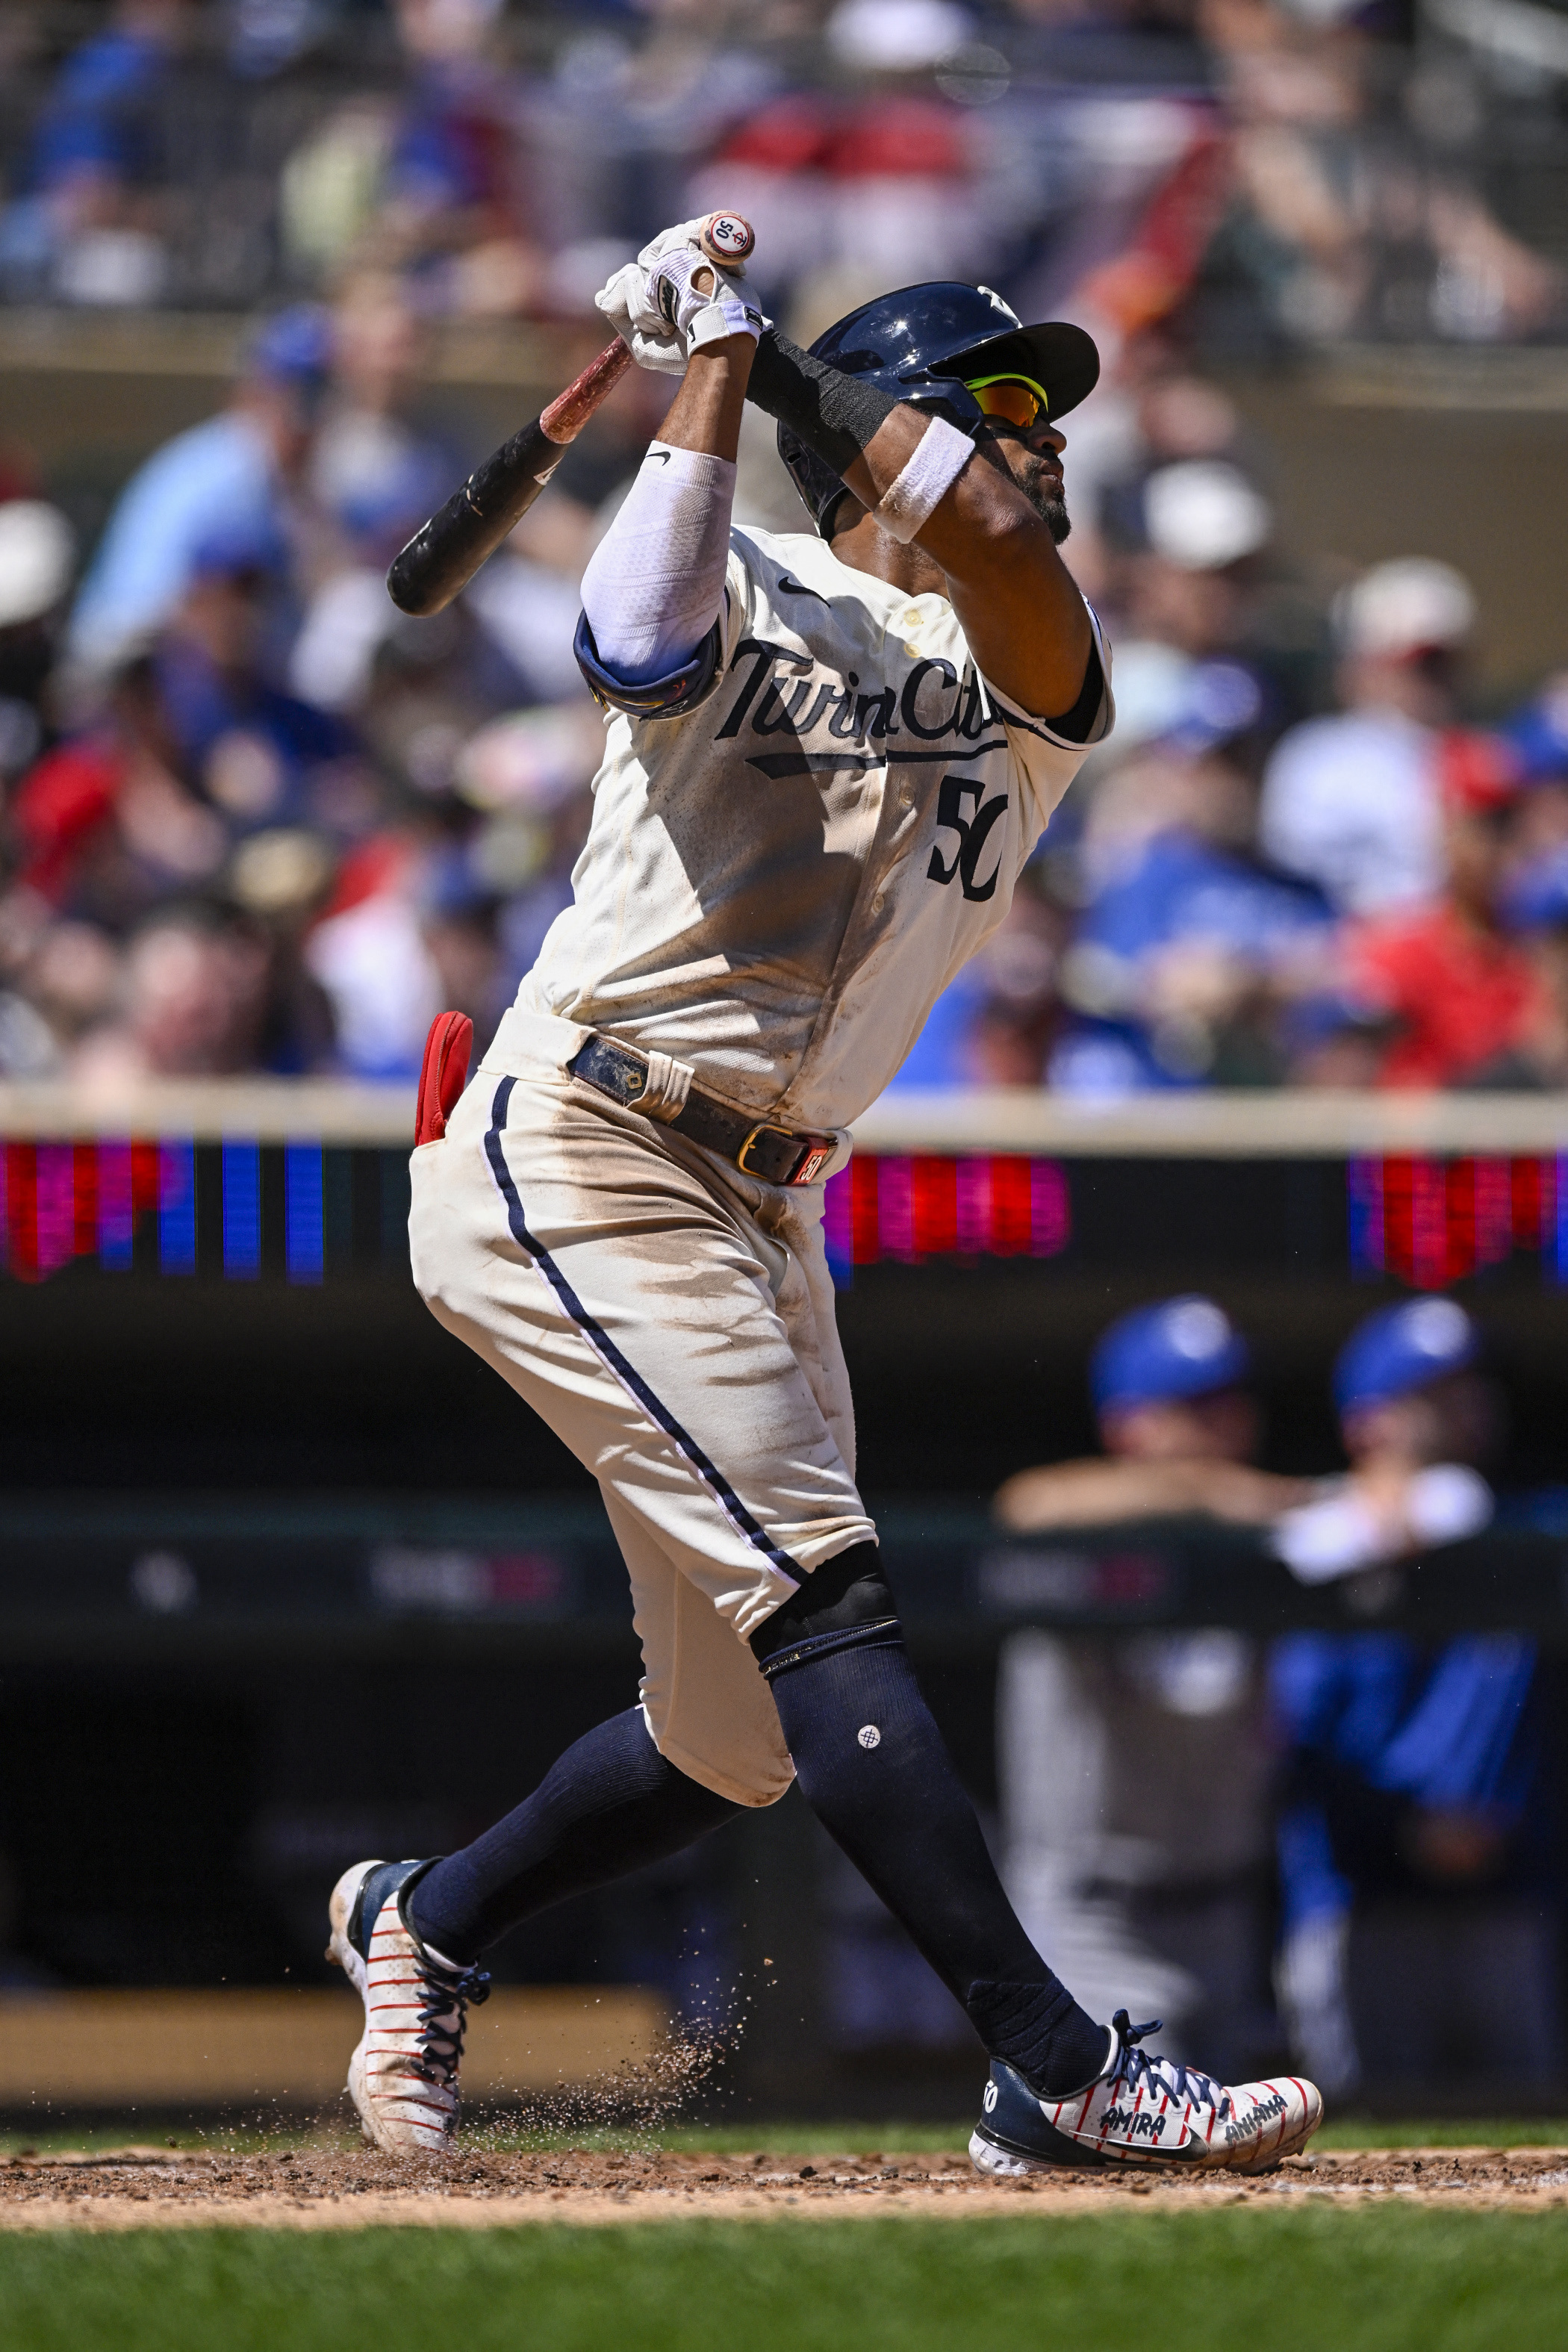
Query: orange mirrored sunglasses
x,y
1009,396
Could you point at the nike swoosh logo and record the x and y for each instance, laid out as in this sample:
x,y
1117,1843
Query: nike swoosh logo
x,y
798,588
660,457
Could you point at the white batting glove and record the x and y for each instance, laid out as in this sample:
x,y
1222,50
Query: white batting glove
x,y
703,303
641,325
673,301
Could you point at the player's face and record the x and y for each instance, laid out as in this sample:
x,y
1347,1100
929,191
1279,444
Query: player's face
x,y
1033,456
1457,1419
1222,1427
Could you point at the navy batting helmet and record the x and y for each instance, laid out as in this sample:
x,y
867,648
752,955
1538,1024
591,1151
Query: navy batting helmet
x,y
920,344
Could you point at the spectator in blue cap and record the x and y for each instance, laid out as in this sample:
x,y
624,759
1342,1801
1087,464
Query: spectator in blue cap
x,y
1415,1417
1178,1424
1403,1350
1418,1914
237,466
1133,1774
84,223
248,749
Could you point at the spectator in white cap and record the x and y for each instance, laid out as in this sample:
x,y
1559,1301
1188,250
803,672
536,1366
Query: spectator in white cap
x,y
1187,588
1351,803
1204,514
38,558
38,548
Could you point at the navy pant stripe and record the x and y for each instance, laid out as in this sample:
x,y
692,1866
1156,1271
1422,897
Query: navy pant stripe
x,y
610,1355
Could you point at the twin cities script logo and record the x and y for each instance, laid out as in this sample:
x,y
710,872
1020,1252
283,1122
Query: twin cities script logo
x,y
823,725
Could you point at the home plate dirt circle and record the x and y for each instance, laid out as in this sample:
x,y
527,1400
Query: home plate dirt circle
x,y
147,2187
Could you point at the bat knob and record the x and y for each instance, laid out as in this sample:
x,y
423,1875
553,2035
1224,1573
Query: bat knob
x,y
727,239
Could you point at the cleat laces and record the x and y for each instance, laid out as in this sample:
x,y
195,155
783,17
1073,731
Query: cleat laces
x,y
444,2018
1137,2067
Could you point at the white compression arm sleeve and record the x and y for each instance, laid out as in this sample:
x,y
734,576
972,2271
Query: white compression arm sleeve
x,y
655,584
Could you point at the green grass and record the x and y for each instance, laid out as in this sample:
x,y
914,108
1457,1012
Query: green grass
x,y
1361,2281
1462,2131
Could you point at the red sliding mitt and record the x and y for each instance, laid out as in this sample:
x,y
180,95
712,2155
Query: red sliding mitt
x,y
443,1074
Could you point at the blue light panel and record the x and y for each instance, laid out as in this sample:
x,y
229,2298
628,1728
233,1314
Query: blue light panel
x,y
242,1211
302,1211
177,1205
116,1215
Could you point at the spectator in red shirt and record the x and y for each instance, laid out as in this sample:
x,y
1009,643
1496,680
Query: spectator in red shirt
x,y
1462,1002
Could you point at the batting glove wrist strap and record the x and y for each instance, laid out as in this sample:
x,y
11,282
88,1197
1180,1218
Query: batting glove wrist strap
x,y
717,321
939,456
701,303
834,415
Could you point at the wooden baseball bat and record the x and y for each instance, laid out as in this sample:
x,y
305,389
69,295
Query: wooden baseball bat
x,y
444,554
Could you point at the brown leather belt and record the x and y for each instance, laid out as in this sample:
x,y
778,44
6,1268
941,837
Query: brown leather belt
x,y
760,1148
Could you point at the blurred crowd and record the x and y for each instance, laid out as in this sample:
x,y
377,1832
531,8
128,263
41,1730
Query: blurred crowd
x,y
1297,169
255,820
1301,859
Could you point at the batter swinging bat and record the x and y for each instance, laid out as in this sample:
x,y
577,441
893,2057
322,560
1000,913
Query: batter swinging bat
x,y
445,553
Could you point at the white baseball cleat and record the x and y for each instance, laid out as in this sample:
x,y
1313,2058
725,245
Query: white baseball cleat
x,y
403,2077
1146,2111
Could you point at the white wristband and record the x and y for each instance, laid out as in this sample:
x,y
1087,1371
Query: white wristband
x,y
1448,1501
940,456
1331,1537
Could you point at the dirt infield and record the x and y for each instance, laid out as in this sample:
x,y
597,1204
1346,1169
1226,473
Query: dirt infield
x,y
306,2188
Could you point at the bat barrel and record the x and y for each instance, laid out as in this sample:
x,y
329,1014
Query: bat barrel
x,y
445,552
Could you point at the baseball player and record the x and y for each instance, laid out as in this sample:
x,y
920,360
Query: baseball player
x,y
827,758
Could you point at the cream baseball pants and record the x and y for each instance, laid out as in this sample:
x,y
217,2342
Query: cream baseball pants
x,y
672,1321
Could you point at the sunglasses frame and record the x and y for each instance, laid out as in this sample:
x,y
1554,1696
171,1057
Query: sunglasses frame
x,y
1012,382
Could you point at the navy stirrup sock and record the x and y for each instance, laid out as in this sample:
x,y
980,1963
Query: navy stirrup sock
x,y
872,1764
608,1806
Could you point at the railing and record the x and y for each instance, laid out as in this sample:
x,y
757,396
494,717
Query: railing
x,y
180,1576
1246,1124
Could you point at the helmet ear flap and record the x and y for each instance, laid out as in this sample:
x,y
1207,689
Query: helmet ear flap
x,y
819,487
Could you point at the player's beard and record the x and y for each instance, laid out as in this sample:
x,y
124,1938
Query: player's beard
x,y
1040,484
1051,506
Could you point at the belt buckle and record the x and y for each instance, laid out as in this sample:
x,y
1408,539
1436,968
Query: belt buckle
x,y
762,1127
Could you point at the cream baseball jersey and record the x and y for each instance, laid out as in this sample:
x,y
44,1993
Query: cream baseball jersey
x,y
778,885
